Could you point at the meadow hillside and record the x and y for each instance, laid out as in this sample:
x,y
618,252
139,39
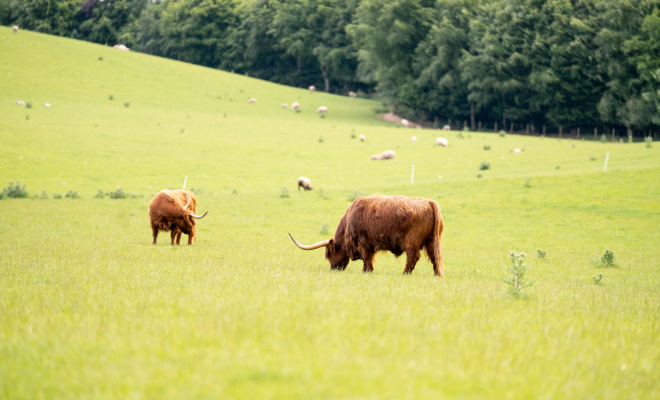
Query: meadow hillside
x,y
90,309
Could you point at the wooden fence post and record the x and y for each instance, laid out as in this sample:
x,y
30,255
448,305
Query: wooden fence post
x,y
495,130
479,126
544,130
578,133
560,128
595,133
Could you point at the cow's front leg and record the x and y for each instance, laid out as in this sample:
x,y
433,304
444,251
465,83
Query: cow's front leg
x,y
173,236
412,256
368,262
154,229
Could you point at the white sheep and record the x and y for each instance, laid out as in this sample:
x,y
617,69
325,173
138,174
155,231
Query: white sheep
x,y
322,110
375,157
414,139
312,88
388,155
362,138
295,106
47,105
516,150
252,100
405,123
285,105
304,183
121,47
352,94
15,28
446,128
19,102
442,142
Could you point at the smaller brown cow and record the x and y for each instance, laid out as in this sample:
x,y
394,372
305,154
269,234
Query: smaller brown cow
x,y
174,210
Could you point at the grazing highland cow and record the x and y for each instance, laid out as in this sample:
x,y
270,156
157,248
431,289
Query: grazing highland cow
x,y
304,183
174,210
394,223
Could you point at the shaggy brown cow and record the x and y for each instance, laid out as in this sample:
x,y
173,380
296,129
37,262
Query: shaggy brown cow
x,y
174,210
395,223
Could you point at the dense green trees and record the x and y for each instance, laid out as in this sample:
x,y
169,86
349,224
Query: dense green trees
x,y
560,64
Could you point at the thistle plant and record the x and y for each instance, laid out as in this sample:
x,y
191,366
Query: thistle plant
x,y
325,228
285,192
608,259
541,253
517,281
597,278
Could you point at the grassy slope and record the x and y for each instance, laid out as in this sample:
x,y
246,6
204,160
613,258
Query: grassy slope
x,y
88,308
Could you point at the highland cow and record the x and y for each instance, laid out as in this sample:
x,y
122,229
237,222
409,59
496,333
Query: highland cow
x,y
174,210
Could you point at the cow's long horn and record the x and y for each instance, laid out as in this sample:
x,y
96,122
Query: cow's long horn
x,y
199,216
311,247
188,203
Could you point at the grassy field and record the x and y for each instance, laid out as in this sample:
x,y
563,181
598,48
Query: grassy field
x,y
90,309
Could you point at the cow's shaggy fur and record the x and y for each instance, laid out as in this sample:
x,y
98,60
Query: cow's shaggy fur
x,y
167,213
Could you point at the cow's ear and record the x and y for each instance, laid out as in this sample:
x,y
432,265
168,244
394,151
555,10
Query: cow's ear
x,y
331,243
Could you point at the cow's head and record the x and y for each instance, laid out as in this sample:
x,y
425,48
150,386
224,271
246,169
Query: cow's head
x,y
334,252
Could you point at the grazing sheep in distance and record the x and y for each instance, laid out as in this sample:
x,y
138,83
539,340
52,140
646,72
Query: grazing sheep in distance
x,y
418,127
295,106
516,150
405,123
362,138
446,128
312,88
352,94
388,155
305,183
285,105
19,102
414,139
253,100
375,157
46,105
322,110
15,28
442,142
121,47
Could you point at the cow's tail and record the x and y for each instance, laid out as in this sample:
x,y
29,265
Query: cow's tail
x,y
433,245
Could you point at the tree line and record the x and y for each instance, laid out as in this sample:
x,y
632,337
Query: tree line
x,y
522,64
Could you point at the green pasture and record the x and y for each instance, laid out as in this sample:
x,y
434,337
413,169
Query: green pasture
x,y
90,309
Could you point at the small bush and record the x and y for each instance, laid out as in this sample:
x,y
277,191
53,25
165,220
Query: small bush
x,y
484,165
44,195
234,191
325,228
111,96
355,195
99,194
118,194
297,110
15,191
27,116
285,192
479,176
608,259
502,133
353,135
127,104
486,147
322,115
517,282
28,104
320,139
597,278
322,194
528,182
57,196
557,167
460,135
466,129
197,191
603,138
592,158
648,141
72,194
541,253
100,58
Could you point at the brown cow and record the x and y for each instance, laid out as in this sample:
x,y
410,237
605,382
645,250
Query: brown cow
x,y
395,223
174,210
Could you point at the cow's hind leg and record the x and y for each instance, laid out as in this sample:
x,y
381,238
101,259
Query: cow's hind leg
x,y
435,257
368,263
412,256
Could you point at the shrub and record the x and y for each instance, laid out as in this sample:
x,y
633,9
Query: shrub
x,y
320,139
460,135
603,138
541,253
592,158
234,191
297,110
486,147
100,58
72,194
127,104
608,259
44,195
466,129
15,191
502,133
322,193
28,104
484,165
478,175
648,142
57,196
322,115
517,282
325,228
353,135
118,194
197,191
99,194
528,181
355,195
597,278
111,96
27,116
284,192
